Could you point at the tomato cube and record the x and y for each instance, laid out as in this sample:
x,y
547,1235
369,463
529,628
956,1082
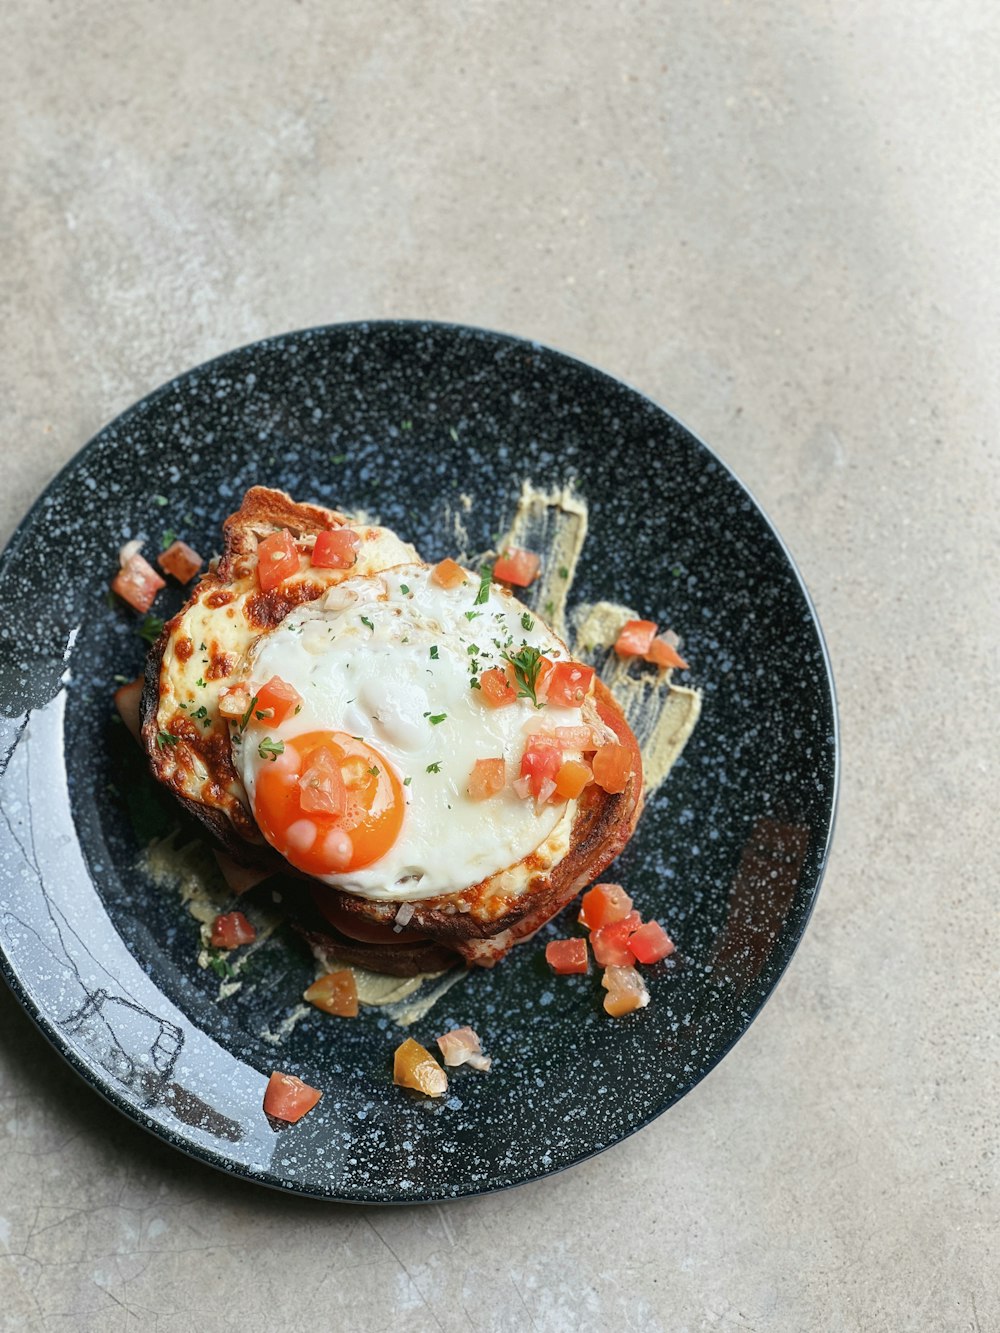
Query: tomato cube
x,y
137,583
540,763
413,1066
517,567
572,777
568,684
603,904
277,559
487,778
650,943
635,637
288,1098
496,689
626,991
610,942
663,654
335,993
566,956
230,930
612,766
276,700
448,574
181,561
336,549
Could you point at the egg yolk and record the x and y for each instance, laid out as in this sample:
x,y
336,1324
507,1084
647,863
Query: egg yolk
x,y
329,803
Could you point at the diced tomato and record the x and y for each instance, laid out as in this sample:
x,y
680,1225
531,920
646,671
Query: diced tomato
x,y
517,567
137,582
496,689
335,993
612,766
650,943
276,700
626,990
413,1066
635,637
337,549
603,904
322,785
288,1098
230,930
448,574
663,654
568,684
566,956
540,762
572,777
610,942
277,559
180,560
127,699
487,778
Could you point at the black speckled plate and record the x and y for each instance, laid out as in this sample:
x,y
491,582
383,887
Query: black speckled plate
x,y
400,419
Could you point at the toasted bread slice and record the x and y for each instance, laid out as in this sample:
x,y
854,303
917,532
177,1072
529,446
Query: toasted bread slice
x,y
190,751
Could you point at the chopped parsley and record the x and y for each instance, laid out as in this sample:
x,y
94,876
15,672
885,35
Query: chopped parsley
x,y
150,629
245,719
406,425
472,649
164,738
563,572
526,664
160,500
527,623
366,621
550,608
404,589
434,651
269,749
222,968
435,718
471,615
407,781
168,539
474,682
434,768
373,771
200,682
485,579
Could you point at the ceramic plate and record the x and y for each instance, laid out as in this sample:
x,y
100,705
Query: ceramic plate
x,y
401,420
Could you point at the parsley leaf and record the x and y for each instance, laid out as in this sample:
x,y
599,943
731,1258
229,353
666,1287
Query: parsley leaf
x,y
150,629
526,664
563,572
164,738
404,589
435,718
434,651
159,500
168,539
527,623
434,768
366,621
471,615
407,781
200,682
269,749
485,579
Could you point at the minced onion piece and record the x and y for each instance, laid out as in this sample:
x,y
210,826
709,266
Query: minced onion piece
x,y
403,916
128,551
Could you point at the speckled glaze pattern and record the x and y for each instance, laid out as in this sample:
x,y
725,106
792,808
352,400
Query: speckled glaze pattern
x,y
400,420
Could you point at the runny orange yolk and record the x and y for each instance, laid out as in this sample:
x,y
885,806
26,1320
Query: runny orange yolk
x,y
329,803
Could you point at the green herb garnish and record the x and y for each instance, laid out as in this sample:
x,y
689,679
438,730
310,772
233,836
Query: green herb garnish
x,y
485,579
245,719
404,589
526,664
563,572
164,738
269,749
471,615
373,771
150,629
434,652
159,500
435,767
435,718
168,539
200,682
407,781
366,621
338,458
527,623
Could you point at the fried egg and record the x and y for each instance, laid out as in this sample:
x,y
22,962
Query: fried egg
x,y
363,783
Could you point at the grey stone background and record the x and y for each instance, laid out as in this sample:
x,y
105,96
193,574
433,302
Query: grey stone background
x,y
780,220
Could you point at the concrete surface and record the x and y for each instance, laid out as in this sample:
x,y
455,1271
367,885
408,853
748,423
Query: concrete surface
x,y
781,221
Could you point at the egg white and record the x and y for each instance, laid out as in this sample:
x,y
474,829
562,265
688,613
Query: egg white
x,y
379,658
